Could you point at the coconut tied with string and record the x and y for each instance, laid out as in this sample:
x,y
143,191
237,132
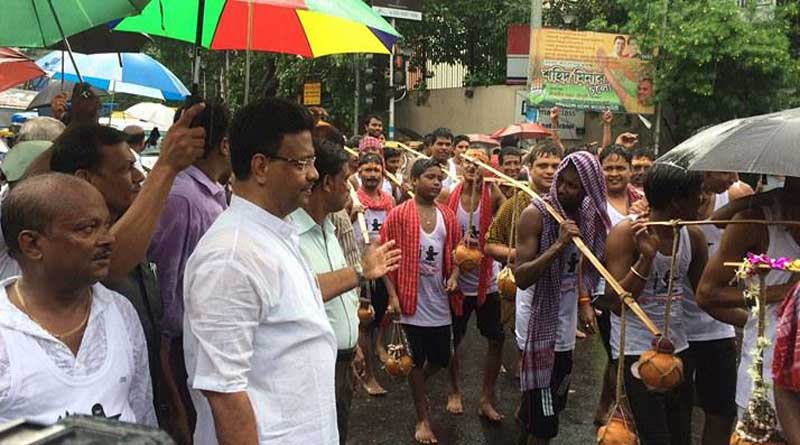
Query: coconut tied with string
x,y
659,368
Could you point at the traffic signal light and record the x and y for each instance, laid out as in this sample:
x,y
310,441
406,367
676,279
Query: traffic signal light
x,y
400,68
375,82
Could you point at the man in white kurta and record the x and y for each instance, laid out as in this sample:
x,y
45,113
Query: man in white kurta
x,y
260,353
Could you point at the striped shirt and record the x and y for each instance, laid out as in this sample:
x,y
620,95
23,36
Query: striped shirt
x,y
500,230
347,239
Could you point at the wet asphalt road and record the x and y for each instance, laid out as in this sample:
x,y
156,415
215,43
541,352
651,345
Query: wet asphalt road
x,y
391,419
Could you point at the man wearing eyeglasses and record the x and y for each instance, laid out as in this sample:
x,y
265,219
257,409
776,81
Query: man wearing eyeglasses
x,y
260,352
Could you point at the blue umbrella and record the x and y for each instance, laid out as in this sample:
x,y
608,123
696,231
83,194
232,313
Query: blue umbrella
x,y
131,73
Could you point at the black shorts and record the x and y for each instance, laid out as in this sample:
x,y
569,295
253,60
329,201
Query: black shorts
x,y
431,345
662,418
541,407
713,365
380,300
488,318
604,326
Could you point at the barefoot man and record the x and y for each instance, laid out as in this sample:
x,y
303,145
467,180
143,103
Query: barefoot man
x,y
475,204
427,234
547,277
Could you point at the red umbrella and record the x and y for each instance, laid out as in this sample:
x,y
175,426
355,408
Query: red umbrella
x,y
525,130
15,68
482,139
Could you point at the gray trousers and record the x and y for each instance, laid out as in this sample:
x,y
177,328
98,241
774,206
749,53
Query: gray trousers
x,y
344,394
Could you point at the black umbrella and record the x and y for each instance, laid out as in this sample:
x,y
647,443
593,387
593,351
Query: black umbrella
x,y
766,144
46,96
103,39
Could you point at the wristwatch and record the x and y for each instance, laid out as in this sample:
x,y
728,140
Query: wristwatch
x,y
360,275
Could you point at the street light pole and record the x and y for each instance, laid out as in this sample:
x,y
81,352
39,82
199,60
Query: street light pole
x,y
391,88
536,23
657,132
356,60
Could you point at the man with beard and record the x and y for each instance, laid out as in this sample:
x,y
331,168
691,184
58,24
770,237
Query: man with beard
x,y
641,161
640,258
68,345
441,150
373,126
737,240
426,233
547,277
474,204
377,205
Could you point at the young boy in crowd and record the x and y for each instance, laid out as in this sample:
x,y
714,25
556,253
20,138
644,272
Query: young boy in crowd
x,y
426,233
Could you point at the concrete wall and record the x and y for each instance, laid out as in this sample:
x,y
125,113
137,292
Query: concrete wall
x,y
489,108
495,107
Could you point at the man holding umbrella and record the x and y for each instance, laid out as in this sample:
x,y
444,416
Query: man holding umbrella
x,y
776,241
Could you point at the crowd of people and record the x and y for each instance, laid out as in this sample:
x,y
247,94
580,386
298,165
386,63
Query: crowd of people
x,y
232,295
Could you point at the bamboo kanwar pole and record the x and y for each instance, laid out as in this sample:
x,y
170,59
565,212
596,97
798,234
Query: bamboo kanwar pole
x,y
391,177
679,222
420,155
624,295
362,223
396,182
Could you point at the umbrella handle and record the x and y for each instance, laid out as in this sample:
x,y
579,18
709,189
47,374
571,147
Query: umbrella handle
x,y
66,42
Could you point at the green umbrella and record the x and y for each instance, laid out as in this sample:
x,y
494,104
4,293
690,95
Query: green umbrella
x,y
42,23
309,28
36,23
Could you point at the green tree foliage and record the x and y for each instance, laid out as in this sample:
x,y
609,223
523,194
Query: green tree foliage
x,y
717,61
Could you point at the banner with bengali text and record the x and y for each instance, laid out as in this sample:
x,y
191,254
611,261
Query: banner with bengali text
x,y
589,71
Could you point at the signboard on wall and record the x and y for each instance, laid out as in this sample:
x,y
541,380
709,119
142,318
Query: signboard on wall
x,y
312,93
589,71
399,9
571,124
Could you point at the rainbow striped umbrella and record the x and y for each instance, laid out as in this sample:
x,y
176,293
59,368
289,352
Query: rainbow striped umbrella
x,y
309,28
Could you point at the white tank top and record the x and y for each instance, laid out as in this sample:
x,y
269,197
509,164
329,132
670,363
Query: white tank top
x,y
568,300
615,218
614,215
386,186
42,393
653,301
781,244
699,325
468,281
374,220
433,306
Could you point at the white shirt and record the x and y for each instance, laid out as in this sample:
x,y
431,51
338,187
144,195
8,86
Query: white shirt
x,y
567,305
781,244
254,321
653,301
433,307
699,325
469,282
568,300
41,379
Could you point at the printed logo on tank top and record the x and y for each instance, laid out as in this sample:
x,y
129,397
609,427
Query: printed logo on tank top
x,y
376,225
660,286
97,411
474,233
429,264
569,277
